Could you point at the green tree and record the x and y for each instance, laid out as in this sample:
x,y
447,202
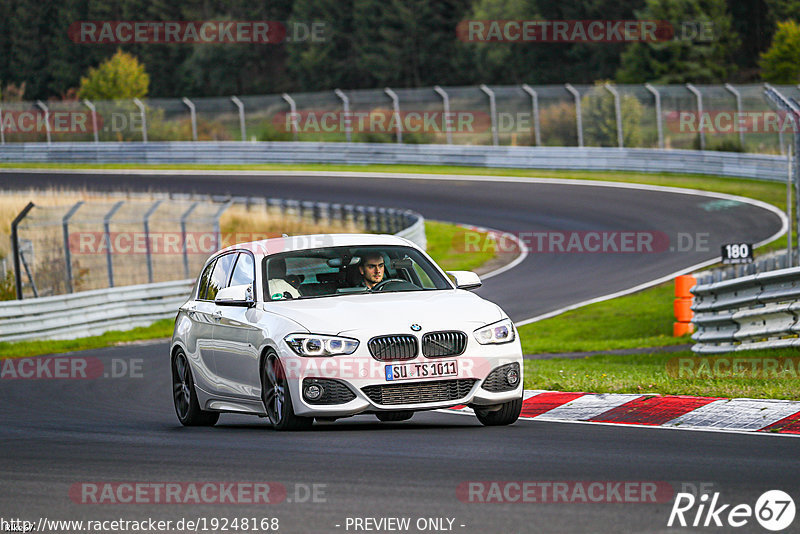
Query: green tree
x,y
119,77
705,57
781,62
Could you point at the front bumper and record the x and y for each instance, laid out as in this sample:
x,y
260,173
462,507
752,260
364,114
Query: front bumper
x,y
365,378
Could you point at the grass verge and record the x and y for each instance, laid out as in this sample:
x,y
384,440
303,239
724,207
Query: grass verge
x,y
647,373
440,238
639,320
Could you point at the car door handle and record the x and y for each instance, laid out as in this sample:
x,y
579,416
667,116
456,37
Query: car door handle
x,y
218,315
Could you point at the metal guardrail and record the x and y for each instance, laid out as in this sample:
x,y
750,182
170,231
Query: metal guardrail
x,y
91,313
752,312
755,166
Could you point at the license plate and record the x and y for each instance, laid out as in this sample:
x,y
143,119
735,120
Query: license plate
x,y
416,371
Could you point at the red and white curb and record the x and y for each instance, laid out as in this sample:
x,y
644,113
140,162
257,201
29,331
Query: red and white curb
x,y
665,411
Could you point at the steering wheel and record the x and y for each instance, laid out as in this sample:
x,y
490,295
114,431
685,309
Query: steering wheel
x,y
383,283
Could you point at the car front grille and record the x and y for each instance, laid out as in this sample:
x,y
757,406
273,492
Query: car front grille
x,y
390,348
438,344
333,391
496,381
419,392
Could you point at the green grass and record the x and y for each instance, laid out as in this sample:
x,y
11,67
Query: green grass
x,y
643,319
442,246
647,373
440,236
22,349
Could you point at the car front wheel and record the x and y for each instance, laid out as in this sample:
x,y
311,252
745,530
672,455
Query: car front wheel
x,y
277,398
507,414
184,395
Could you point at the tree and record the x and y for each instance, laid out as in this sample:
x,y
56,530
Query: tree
x,y
781,62
701,51
600,118
119,77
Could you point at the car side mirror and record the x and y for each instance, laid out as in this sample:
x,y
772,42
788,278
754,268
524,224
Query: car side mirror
x,y
241,295
465,279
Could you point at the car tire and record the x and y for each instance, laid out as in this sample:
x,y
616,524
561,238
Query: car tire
x,y
507,414
184,395
277,398
390,417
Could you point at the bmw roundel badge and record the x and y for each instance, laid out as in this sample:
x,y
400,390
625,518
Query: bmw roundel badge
x,y
415,327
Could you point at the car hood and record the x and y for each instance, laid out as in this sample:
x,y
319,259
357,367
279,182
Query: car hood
x,y
390,312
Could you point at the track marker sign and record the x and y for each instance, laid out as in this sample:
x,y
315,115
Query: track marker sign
x,y
733,253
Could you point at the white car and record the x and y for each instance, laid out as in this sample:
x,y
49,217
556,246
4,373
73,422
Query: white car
x,y
294,329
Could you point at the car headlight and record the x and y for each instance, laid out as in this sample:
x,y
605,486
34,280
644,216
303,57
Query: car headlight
x,y
319,345
499,332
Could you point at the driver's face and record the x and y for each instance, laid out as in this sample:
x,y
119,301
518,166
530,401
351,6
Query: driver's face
x,y
372,271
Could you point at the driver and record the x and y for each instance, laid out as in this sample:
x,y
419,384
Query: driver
x,y
372,269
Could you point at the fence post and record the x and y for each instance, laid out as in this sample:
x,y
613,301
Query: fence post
x,y
2,129
293,111
578,118
396,112
67,254
144,118
446,117
738,97
147,247
348,127
537,133
492,113
46,118
217,215
107,236
240,105
699,97
659,125
183,238
15,248
193,115
93,109
617,112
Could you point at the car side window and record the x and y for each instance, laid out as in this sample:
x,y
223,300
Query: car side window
x,y
244,272
219,276
205,278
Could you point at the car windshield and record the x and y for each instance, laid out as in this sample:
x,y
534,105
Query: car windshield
x,y
326,272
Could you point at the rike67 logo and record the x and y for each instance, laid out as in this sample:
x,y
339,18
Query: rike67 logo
x,y
774,510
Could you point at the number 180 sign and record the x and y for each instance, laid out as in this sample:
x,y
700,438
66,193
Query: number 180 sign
x,y
737,253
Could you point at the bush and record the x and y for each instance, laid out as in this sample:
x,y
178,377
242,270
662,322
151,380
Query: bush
x,y
557,123
600,118
119,77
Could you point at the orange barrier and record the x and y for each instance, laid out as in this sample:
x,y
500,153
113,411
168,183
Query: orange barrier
x,y
683,306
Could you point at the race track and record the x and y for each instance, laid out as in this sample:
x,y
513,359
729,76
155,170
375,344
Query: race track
x,y
59,435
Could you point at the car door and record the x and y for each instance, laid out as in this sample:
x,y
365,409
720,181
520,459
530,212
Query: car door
x,y
206,315
235,334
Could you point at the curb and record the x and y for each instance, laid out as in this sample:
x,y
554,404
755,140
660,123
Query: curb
x,y
664,411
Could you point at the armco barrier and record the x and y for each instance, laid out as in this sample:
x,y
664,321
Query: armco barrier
x,y
752,312
756,166
91,313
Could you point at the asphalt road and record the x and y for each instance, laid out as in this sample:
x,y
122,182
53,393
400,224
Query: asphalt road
x,y
59,436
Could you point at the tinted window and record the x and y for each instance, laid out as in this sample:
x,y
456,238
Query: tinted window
x,y
219,277
204,279
244,272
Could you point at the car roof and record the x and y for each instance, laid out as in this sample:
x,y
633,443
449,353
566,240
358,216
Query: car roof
x,y
275,245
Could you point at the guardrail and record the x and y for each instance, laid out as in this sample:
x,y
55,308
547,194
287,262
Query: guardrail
x,y
91,313
756,166
752,312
